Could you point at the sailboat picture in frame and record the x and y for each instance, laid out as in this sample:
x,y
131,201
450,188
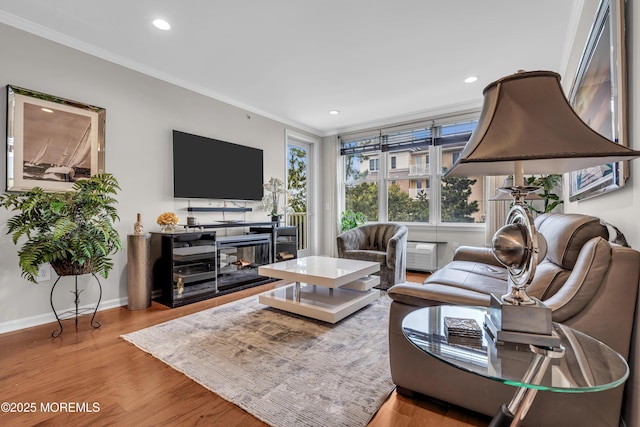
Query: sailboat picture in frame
x,y
51,141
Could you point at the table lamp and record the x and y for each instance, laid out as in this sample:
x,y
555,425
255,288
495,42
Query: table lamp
x,y
527,126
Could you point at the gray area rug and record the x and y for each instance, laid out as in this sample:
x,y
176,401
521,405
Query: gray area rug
x,y
286,370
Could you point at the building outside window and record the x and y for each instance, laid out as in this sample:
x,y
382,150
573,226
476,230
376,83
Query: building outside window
x,y
406,161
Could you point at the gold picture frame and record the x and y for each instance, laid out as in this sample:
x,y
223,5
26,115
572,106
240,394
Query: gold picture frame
x,y
51,141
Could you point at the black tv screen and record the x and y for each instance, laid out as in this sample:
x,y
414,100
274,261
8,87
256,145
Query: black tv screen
x,y
211,169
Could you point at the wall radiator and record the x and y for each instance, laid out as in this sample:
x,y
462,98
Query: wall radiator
x,y
422,256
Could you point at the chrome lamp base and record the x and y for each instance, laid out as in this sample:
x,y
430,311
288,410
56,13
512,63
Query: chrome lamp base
x,y
527,324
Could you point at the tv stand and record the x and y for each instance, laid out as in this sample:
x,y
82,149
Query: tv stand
x,y
195,264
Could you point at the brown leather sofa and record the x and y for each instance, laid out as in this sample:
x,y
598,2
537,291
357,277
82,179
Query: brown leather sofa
x,y
385,243
589,283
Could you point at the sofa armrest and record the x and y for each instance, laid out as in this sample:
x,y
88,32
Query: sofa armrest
x,y
436,294
397,243
476,254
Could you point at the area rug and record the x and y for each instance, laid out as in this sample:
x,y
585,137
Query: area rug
x,y
286,370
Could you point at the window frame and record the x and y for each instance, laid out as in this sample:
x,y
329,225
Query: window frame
x,y
432,174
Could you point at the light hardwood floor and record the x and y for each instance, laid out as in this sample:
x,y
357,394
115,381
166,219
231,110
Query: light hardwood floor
x,y
130,387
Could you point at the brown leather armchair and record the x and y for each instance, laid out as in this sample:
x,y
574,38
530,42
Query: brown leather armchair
x,y
385,243
589,283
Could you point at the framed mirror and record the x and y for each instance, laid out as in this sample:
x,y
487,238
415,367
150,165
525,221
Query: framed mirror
x,y
598,95
51,141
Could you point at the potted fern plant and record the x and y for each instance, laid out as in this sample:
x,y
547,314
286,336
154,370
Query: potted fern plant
x,y
73,231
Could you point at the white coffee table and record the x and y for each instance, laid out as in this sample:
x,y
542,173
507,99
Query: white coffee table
x,y
325,288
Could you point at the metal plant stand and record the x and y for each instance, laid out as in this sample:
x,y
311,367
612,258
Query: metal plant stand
x,y
77,312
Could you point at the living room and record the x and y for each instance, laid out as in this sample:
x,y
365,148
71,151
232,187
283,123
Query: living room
x,y
141,112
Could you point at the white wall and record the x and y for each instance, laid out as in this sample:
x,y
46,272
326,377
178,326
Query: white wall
x,y
141,112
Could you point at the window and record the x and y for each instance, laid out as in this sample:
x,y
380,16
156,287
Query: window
x,y
462,198
401,164
455,155
360,179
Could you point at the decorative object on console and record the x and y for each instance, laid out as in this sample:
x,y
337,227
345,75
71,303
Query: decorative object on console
x,y
275,191
180,286
167,221
138,226
549,138
191,220
283,256
51,141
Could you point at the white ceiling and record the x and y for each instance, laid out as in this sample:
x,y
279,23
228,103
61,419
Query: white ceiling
x,y
294,60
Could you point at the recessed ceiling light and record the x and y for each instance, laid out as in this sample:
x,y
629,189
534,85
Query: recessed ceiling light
x,y
47,110
161,24
334,112
470,79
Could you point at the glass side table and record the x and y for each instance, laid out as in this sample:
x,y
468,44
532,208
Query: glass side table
x,y
582,364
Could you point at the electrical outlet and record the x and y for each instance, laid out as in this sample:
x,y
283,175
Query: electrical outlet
x,y
44,273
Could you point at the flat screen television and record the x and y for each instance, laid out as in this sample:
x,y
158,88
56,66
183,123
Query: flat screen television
x,y
207,168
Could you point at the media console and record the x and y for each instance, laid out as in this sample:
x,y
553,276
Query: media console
x,y
195,263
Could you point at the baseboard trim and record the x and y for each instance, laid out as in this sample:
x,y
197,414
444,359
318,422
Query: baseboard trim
x,y
41,319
